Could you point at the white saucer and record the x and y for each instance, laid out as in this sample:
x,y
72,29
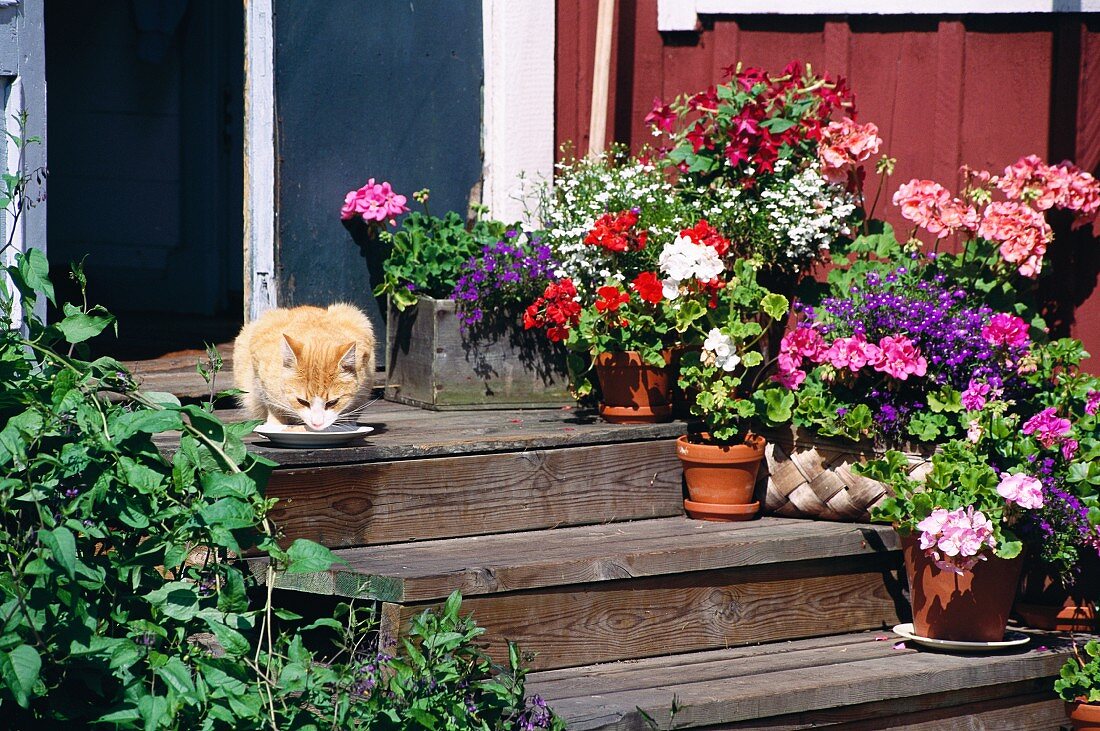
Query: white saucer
x,y
1012,639
297,436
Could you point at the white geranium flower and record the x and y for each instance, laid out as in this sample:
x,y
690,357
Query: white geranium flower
x,y
685,259
720,346
670,288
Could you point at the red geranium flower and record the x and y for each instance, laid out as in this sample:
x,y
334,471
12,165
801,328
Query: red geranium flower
x,y
615,232
610,298
557,310
648,287
706,235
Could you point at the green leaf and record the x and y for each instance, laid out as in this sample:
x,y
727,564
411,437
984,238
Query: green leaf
x,y
206,424
79,326
35,270
176,675
307,557
19,670
62,545
229,512
162,398
129,423
176,599
775,305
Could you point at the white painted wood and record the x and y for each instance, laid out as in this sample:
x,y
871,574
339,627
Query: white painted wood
x,y
683,15
14,228
601,77
518,127
260,214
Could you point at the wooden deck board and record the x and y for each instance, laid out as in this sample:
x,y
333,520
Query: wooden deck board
x,y
415,572
779,680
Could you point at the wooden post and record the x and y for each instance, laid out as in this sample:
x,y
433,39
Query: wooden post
x,y
601,71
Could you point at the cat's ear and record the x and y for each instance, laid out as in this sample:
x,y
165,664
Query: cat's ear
x,y
292,351
347,360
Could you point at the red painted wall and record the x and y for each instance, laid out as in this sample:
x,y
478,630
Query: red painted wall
x,y
979,90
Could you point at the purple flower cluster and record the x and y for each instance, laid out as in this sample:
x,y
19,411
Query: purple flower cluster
x,y
536,716
506,274
1061,527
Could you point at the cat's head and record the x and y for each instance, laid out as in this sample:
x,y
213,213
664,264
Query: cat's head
x,y
321,380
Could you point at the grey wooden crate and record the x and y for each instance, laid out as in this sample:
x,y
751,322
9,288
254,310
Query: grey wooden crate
x,y
430,363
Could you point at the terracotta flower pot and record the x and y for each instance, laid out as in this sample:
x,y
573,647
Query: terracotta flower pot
x,y
971,607
721,478
1084,716
1043,603
632,391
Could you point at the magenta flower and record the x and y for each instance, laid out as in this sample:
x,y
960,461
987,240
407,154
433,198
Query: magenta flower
x,y
1049,428
1092,402
1024,490
1069,448
974,397
1006,330
852,353
900,358
661,116
373,202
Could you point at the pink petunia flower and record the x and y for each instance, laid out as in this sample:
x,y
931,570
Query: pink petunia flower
x,y
1024,490
900,358
1049,429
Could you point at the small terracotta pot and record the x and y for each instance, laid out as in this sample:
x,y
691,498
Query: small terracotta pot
x,y
721,478
632,391
1084,716
971,607
1043,603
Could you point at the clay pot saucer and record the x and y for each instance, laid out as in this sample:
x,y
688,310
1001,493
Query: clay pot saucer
x,y
719,512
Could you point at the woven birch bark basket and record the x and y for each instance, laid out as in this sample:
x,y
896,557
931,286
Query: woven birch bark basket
x,y
807,476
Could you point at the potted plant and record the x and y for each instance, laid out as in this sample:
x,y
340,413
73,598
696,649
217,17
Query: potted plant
x,y
720,456
365,213
1079,686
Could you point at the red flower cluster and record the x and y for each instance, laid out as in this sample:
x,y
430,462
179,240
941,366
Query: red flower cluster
x,y
784,111
649,288
610,299
557,310
705,234
615,232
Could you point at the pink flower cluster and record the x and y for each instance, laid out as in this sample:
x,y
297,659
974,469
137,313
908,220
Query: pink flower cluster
x,y
1024,490
844,145
1006,331
374,202
1064,186
975,396
895,355
955,538
1022,231
1049,428
930,206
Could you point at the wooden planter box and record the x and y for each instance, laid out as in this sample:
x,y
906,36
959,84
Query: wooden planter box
x,y
430,363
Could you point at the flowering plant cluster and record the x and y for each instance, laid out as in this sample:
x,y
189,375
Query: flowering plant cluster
x,y
894,359
510,272
599,214
775,161
374,203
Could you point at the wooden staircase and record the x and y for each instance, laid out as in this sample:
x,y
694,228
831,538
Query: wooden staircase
x,y
567,535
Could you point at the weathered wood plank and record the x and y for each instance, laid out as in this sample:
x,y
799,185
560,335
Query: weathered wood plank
x,y
634,618
389,502
406,432
779,689
518,561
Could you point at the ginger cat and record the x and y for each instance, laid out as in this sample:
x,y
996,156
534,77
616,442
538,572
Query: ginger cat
x,y
305,364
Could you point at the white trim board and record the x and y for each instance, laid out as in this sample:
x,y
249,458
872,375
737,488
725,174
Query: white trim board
x,y
260,213
518,103
683,15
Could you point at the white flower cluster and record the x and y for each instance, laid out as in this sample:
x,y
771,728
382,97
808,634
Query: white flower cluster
x,y
718,349
684,259
587,189
805,214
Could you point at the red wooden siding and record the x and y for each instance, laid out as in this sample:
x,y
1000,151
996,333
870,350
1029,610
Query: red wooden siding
x,y
979,90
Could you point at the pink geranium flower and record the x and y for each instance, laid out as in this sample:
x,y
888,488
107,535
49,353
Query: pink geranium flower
x,y
1064,186
929,205
1092,402
1022,232
844,145
974,397
1006,330
954,539
1049,428
1024,490
900,358
852,353
374,202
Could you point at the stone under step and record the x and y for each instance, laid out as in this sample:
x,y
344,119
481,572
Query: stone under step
x,y
579,595
842,682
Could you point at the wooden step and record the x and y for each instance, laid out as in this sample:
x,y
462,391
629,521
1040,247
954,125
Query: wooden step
x,y
843,682
578,595
424,475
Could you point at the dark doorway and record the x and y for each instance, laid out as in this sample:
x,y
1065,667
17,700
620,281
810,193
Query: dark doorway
x,y
145,109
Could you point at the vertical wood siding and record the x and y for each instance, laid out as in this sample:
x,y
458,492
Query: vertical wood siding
x,y
944,91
